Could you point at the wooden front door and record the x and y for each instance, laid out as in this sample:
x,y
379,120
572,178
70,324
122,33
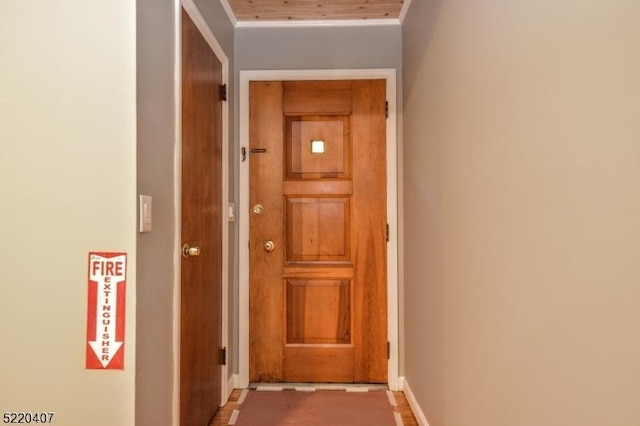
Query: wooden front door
x,y
201,288
318,284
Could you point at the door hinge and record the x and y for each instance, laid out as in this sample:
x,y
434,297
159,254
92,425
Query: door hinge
x,y
387,232
223,356
388,350
223,92
386,109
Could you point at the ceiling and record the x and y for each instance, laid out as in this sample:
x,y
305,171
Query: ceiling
x,y
256,11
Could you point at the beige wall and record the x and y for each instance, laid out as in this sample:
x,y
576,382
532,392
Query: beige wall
x,y
67,187
522,211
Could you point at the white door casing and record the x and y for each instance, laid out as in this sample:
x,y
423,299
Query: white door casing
x,y
392,205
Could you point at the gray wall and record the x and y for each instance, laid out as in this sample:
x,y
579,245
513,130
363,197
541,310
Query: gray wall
x,y
155,250
216,17
318,48
358,47
522,211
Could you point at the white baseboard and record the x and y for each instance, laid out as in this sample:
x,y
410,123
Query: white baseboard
x,y
415,407
231,385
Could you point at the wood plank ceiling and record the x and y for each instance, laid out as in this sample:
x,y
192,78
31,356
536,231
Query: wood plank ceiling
x,y
301,10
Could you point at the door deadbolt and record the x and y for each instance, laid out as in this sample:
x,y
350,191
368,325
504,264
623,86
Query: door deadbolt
x,y
188,251
269,245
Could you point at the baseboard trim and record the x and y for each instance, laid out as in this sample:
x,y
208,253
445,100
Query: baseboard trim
x,y
413,403
231,385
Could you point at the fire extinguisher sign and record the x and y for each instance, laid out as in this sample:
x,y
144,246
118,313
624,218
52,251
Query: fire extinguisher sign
x,y
105,311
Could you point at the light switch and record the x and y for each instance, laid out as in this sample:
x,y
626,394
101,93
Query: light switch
x,y
145,213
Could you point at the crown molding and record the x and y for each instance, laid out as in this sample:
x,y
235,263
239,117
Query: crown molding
x,y
318,23
404,11
227,8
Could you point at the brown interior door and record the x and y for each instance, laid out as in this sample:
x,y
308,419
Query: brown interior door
x,y
318,294
201,289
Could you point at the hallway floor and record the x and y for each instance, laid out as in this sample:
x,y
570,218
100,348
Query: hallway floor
x,y
225,414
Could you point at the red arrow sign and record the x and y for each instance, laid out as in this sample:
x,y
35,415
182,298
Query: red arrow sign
x,y
105,310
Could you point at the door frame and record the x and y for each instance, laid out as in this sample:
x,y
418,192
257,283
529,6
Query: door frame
x,y
387,74
197,18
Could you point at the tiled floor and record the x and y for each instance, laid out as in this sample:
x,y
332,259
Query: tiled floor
x,y
224,414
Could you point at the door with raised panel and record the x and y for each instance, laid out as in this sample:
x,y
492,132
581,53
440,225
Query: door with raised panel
x,y
318,293
201,228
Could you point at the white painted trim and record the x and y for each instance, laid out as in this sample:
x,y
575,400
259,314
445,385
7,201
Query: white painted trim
x,y
392,208
229,11
243,234
392,246
404,11
177,194
197,18
413,403
232,384
318,23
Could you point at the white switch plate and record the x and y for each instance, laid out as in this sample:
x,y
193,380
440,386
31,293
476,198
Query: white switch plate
x,y
145,213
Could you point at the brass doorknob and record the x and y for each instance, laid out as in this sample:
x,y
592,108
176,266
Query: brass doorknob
x,y
188,251
258,209
269,245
